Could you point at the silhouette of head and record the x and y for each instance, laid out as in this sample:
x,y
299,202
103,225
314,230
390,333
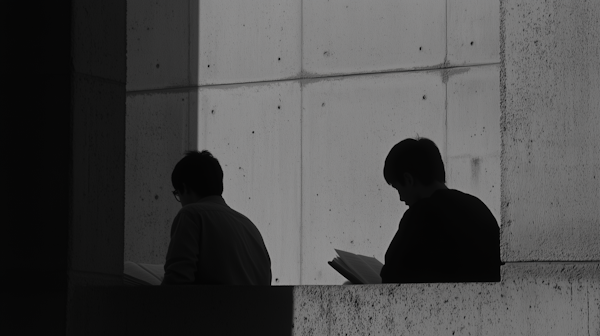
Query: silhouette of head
x,y
198,172
418,157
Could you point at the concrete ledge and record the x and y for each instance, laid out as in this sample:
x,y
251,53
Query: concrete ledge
x,y
533,299
181,310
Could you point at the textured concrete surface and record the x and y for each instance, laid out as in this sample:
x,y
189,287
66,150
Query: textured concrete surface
x,y
156,139
473,31
473,133
551,116
249,41
348,127
160,52
372,36
254,131
95,236
531,300
98,38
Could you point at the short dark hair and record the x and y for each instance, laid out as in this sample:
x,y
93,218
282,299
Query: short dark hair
x,y
199,171
419,157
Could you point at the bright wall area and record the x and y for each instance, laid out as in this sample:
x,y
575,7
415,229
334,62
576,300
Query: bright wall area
x,y
301,102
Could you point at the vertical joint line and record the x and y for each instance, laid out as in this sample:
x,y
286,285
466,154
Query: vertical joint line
x,y
301,143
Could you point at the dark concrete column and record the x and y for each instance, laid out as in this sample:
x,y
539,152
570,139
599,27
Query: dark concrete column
x,y
63,126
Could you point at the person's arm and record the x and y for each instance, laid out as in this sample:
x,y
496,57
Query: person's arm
x,y
184,248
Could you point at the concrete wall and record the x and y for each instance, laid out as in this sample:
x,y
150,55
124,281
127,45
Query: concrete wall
x,y
63,160
301,101
160,101
551,118
536,299
549,86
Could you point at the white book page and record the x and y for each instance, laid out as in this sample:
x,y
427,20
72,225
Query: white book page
x,y
134,270
157,270
374,264
363,266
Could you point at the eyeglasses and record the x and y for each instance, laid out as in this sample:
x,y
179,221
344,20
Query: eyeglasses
x,y
176,194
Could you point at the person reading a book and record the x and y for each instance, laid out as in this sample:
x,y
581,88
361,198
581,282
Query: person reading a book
x,y
445,235
210,242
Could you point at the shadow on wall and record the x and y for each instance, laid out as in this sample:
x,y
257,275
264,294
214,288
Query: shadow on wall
x,y
182,310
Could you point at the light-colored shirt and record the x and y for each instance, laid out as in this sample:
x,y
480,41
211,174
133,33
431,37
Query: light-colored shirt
x,y
213,244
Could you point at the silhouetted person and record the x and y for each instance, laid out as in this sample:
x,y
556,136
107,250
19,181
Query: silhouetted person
x,y
445,235
210,242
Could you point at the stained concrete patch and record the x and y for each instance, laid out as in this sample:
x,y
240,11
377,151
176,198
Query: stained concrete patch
x,y
248,42
158,44
360,37
472,32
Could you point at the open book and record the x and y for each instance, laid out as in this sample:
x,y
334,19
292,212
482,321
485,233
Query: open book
x,y
136,274
358,269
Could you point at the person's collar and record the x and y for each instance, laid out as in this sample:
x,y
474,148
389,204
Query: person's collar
x,y
218,199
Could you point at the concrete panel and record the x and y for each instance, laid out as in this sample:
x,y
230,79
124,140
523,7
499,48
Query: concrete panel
x,y
159,44
342,37
98,157
97,38
551,299
473,31
254,131
249,41
157,128
551,105
349,125
473,110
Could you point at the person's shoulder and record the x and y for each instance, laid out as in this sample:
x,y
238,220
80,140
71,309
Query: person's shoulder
x,y
471,202
458,195
195,209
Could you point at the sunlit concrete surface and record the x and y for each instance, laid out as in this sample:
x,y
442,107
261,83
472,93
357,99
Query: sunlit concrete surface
x,y
551,117
473,32
533,299
156,139
254,131
372,36
250,41
159,50
348,127
473,133
310,176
